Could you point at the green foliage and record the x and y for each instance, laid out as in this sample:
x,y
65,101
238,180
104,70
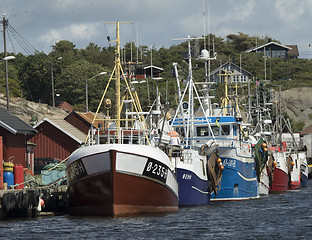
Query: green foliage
x,y
31,76
297,126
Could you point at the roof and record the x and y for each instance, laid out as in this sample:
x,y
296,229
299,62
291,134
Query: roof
x,y
267,44
88,117
151,66
307,130
66,106
232,64
294,50
13,124
66,128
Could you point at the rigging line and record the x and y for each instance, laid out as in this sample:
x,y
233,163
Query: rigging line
x,y
28,90
204,24
12,43
34,49
20,42
70,97
134,33
107,36
16,37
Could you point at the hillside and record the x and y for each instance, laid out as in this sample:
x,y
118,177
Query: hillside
x,y
297,103
25,109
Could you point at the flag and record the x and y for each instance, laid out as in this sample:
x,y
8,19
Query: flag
x,y
217,123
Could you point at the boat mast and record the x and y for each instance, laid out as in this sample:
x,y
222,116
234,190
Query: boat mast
x,y
191,93
117,81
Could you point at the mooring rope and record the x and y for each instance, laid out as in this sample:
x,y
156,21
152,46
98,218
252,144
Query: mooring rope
x,y
46,171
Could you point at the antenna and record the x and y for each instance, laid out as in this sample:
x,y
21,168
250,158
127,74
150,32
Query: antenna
x,y
137,42
204,24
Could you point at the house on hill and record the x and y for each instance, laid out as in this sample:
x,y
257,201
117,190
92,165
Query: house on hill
x,y
293,53
240,75
56,139
15,134
277,50
153,72
83,120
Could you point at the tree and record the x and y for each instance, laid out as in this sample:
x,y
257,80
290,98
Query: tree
x,y
72,82
35,78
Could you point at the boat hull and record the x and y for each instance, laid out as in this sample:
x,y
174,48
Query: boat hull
x,y
264,183
280,179
192,189
295,173
114,182
239,178
304,169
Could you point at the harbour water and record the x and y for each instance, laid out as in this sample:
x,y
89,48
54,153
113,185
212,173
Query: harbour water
x,y
277,216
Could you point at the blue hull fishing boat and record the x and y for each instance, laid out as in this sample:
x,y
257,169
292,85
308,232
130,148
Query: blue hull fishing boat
x,y
198,168
239,177
222,125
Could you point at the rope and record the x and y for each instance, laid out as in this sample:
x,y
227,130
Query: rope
x,y
34,179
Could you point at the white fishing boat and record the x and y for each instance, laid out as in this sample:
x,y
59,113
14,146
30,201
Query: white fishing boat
x,y
121,171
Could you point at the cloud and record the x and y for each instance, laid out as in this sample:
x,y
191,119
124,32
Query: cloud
x,y
239,11
73,33
290,10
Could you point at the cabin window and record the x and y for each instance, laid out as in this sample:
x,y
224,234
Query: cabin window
x,y
234,130
202,131
225,130
180,131
215,130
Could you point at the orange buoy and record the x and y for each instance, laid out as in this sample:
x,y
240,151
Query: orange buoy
x,y
274,164
41,202
292,163
265,149
221,167
219,160
264,145
173,134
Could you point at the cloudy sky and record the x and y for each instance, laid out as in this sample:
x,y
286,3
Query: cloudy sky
x,y
155,22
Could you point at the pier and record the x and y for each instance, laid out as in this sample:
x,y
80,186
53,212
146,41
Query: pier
x,y
33,202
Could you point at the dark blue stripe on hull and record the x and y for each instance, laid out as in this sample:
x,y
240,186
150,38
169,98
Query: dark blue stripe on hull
x,y
192,189
304,180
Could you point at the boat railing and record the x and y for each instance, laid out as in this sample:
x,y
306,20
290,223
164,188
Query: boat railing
x,y
122,136
243,148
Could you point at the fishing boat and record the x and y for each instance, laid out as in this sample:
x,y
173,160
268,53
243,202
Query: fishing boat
x,y
275,177
121,170
259,117
223,126
198,168
294,175
304,169
280,178
262,166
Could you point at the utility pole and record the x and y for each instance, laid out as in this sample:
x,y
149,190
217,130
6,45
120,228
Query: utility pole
x,y
52,83
4,23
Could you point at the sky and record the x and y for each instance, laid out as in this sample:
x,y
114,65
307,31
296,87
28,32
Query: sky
x,y
155,23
